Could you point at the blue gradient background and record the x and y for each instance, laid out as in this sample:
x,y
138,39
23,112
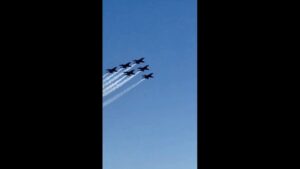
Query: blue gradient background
x,y
154,126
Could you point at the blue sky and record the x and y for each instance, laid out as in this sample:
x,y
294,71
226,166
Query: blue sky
x,y
154,126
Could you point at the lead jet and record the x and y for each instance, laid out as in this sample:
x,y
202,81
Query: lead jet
x,y
138,61
112,70
144,68
148,76
129,73
125,65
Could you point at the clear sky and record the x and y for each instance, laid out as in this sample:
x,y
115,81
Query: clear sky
x,y
154,126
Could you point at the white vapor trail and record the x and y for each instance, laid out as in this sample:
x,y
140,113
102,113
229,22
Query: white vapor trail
x,y
111,75
114,84
119,85
104,76
122,93
106,83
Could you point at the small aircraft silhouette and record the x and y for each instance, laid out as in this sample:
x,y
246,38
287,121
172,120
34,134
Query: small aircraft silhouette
x,y
125,65
148,76
129,73
144,68
138,61
112,70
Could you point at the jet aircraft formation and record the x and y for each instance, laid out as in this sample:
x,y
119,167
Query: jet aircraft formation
x,y
131,72
116,77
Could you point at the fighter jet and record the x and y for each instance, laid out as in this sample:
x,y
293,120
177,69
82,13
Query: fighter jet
x,y
148,76
112,70
129,73
138,61
125,65
144,68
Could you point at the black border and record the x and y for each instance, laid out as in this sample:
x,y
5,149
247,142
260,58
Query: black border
x,y
55,70
245,78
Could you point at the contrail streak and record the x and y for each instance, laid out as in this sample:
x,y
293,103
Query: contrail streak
x,y
122,93
104,75
112,75
119,85
108,82
105,84
114,84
